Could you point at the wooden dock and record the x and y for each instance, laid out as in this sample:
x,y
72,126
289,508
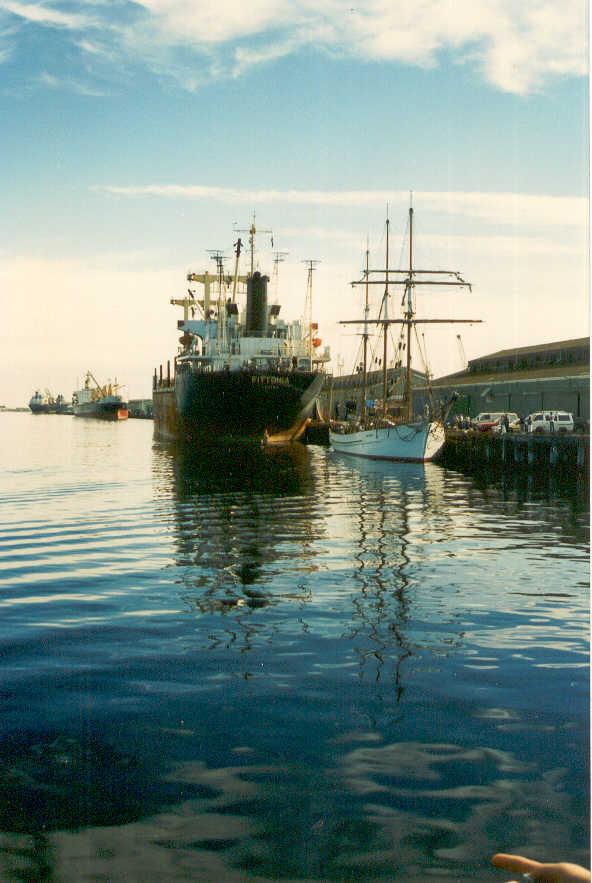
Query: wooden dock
x,y
568,454
554,453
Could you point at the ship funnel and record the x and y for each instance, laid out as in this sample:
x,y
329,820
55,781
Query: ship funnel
x,y
257,305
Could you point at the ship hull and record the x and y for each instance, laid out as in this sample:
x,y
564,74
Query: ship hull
x,y
268,406
39,409
406,442
102,410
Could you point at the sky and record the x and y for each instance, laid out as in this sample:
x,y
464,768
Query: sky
x,y
136,136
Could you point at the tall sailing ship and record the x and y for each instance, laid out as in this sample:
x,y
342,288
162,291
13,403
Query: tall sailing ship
x,y
241,371
403,436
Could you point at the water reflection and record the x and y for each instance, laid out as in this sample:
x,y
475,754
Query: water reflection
x,y
286,665
381,576
444,804
301,532
245,517
381,810
245,468
397,507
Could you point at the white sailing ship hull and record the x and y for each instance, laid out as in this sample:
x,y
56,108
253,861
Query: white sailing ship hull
x,y
411,442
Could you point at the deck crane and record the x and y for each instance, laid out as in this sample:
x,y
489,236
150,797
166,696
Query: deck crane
x,y
107,390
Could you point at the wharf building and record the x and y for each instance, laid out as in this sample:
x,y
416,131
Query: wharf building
x,y
554,376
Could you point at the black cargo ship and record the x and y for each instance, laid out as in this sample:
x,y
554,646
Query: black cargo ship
x,y
241,371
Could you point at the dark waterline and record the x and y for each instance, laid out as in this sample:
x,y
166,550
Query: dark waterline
x,y
234,665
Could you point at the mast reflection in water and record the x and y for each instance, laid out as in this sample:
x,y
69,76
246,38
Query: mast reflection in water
x,y
232,664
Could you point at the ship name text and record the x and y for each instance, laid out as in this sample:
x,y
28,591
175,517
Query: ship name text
x,y
267,380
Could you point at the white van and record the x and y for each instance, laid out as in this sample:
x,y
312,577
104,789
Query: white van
x,y
550,421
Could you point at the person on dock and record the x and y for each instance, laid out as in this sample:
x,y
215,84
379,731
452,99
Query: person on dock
x,y
561,872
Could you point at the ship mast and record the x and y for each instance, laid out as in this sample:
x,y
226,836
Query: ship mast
x,y
409,279
308,305
385,324
365,344
409,321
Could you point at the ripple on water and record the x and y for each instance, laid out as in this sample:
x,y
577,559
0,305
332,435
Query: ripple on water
x,y
399,653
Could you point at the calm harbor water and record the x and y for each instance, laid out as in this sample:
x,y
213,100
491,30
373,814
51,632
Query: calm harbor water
x,y
283,666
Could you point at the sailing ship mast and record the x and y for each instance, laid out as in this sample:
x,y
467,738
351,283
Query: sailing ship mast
x,y
409,279
385,325
409,321
365,340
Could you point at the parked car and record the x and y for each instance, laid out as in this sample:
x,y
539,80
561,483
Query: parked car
x,y
491,421
550,421
487,420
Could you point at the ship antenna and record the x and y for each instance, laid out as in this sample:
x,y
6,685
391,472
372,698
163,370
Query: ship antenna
x,y
252,231
278,258
219,257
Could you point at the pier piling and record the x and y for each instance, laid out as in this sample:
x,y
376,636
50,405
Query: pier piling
x,y
556,453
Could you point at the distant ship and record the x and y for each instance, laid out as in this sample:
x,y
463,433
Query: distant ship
x,y
41,402
98,401
241,371
61,406
45,403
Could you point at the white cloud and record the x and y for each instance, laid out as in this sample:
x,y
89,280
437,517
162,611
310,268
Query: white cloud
x,y
38,13
217,22
68,84
517,47
512,246
500,208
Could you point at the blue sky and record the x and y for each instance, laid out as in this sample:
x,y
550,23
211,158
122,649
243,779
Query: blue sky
x,y
136,134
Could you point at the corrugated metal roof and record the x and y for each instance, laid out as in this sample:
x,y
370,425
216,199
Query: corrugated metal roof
x,y
536,348
489,376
